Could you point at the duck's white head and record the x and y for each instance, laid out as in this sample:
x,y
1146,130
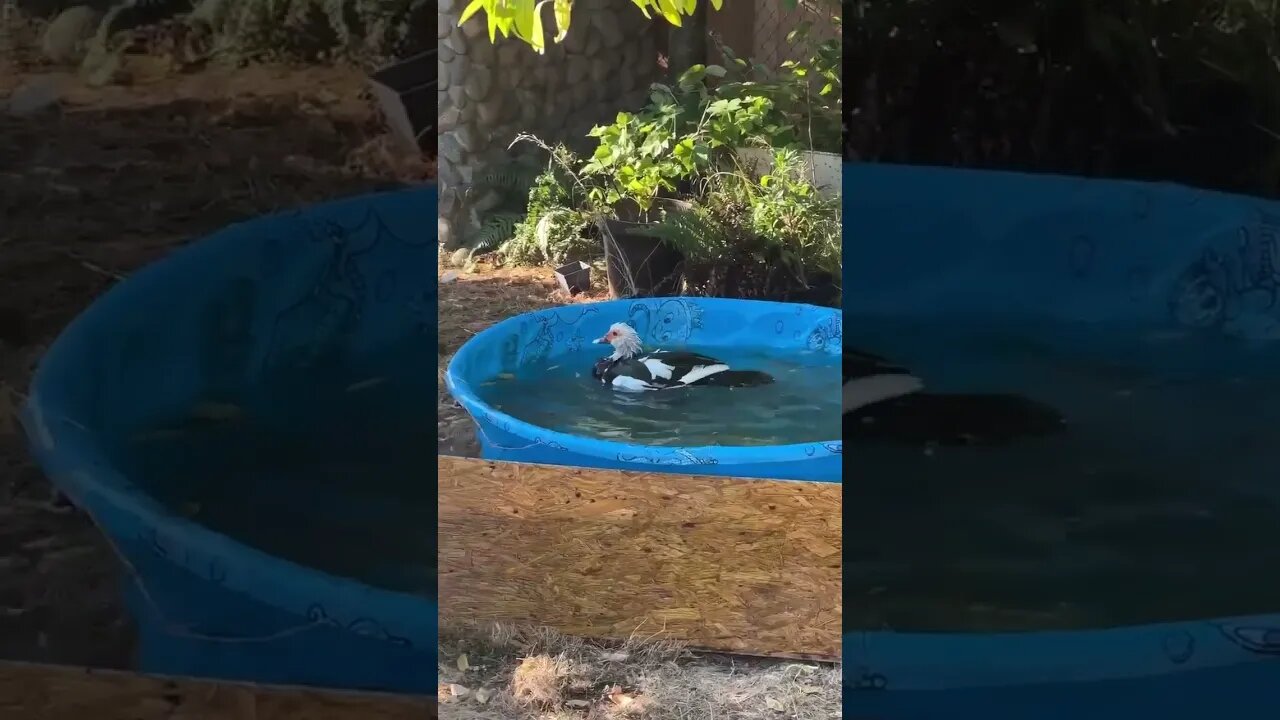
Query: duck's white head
x,y
624,340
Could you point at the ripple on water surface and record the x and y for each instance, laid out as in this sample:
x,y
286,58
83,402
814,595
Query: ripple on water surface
x,y
802,405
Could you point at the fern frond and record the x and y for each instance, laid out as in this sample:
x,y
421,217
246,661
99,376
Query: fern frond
x,y
496,230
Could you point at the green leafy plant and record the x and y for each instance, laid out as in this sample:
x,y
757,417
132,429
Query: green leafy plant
x,y
496,202
805,224
553,227
523,19
685,131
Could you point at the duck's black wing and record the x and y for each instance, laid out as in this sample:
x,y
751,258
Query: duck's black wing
x,y
859,364
681,358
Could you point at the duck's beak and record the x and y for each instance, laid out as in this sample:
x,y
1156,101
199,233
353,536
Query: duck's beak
x,y
601,341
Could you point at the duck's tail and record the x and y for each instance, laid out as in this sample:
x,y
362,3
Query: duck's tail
x,y
942,419
736,378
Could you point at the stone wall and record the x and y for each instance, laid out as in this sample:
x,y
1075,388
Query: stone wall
x,y
489,93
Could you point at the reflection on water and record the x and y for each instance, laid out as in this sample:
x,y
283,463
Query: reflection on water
x,y
802,405
1161,502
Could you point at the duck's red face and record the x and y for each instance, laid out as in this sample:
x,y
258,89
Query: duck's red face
x,y
608,338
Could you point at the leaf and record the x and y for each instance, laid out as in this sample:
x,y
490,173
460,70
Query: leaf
x,y
563,9
472,9
463,664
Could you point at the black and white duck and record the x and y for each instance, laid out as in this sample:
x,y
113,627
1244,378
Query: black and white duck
x,y
628,368
884,402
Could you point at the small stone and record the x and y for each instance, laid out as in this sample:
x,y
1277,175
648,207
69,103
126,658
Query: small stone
x,y
444,25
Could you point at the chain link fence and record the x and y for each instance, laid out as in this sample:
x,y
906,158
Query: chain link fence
x,y
773,21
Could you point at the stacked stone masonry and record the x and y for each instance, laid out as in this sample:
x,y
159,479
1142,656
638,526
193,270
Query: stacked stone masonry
x,y
489,93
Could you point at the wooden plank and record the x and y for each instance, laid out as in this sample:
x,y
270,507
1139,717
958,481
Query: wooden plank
x,y
52,692
721,563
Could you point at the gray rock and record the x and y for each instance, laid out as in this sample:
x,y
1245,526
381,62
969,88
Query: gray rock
x,y
446,7
577,70
457,96
603,72
467,138
607,24
444,25
458,71
448,119
477,27
450,149
490,112
479,82
65,40
457,41
482,51
444,231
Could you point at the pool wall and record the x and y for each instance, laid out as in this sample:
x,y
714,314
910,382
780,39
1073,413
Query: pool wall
x,y
661,322
1016,249
259,298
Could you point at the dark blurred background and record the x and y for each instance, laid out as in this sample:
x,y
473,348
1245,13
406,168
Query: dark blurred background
x,y
1182,90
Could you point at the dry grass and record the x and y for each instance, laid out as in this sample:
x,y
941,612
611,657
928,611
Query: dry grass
x,y
500,672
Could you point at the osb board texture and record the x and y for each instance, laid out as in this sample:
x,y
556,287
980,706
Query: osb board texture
x,y
47,692
740,565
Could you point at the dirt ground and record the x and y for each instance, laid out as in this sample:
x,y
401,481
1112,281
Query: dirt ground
x,y
98,183
501,673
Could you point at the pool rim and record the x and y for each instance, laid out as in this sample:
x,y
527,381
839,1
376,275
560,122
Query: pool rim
x,y
463,393
70,456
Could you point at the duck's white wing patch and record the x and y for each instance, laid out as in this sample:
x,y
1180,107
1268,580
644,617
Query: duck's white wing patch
x,y
699,372
865,391
657,368
630,384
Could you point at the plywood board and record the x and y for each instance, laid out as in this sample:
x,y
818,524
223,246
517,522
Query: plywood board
x,y
730,564
52,692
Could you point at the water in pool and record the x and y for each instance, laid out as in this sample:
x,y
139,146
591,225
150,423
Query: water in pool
x,y
560,394
333,469
1160,502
